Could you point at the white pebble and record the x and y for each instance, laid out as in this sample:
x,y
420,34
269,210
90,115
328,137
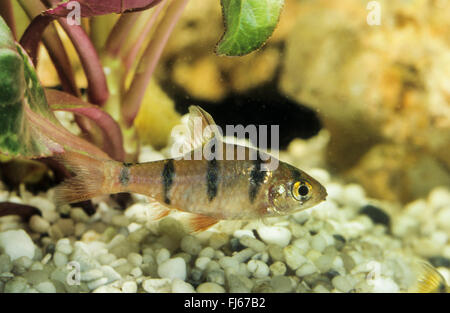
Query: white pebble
x,y
227,262
278,268
110,273
45,287
210,288
243,232
91,275
318,242
342,283
155,285
306,269
294,257
202,262
258,268
135,259
129,287
275,235
180,286
16,244
383,285
173,268
60,259
253,243
207,252
97,283
38,224
162,255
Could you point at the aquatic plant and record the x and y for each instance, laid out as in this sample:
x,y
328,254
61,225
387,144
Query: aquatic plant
x,y
106,117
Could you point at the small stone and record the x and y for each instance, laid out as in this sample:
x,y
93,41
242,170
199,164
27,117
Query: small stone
x,y
275,235
67,226
155,285
36,277
281,284
45,287
15,285
275,252
97,283
217,240
302,244
135,259
258,269
252,243
38,224
244,255
173,268
324,263
172,227
243,232
239,284
227,262
63,246
106,289
106,258
180,286
277,268
294,257
191,245
305,270
78,215
207,252
110,273
60,259
162,255
216,276
318,242
383,285
377,215
320,289
17,243
91,275
5,263
210,288
21,265
202,262
342,283
129,287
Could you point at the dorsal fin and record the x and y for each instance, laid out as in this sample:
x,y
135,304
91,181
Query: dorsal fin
x,y
202,127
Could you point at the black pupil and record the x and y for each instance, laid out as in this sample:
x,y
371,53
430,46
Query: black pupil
x,y
303,190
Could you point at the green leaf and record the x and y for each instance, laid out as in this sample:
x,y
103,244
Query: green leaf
x,y
20,89
248,25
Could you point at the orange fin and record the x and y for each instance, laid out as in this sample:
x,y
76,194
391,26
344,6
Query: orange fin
x,y
157,211
198,223
87,182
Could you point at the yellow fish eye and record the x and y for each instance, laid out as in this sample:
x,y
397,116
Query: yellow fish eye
x,y
301,190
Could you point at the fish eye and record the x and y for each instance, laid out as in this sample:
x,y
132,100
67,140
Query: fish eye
x,y
301,190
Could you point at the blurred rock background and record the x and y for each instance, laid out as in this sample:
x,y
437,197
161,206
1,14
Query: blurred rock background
x,y
381,91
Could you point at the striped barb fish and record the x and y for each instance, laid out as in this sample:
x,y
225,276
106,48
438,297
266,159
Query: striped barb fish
x,y
211,188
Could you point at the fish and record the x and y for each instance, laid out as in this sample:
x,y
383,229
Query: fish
x,y
210,187
430,280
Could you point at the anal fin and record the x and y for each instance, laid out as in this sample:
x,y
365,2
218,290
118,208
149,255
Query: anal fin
x,y
198,223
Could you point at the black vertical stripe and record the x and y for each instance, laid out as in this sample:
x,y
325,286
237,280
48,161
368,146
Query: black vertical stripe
x,y
124,175
256,179
212,179
167,174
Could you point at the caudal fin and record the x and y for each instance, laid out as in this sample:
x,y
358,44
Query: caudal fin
x,y
87,182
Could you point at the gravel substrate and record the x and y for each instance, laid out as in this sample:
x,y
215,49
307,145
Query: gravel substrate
x,y
347,244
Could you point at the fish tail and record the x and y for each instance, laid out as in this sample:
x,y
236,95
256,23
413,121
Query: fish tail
x,y
88,180
430,280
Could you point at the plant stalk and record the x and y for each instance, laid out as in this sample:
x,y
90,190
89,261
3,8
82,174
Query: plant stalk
x,y
6,11
133,97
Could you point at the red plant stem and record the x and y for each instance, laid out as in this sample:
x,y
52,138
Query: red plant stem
x,y
22,210
135,94
33,35
7,13
119,33
97,88
61,136
130,56
112,134
55,48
